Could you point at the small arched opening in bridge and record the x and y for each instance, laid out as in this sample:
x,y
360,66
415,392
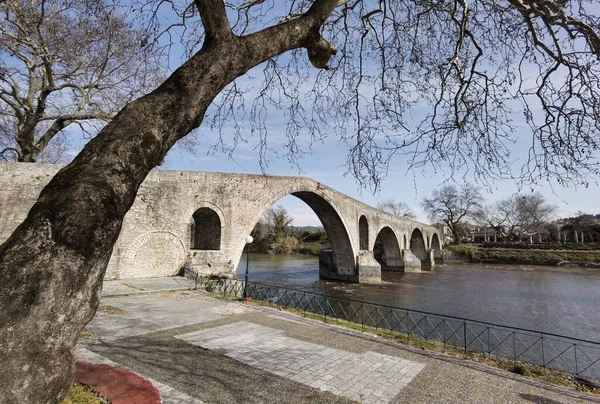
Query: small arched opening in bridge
x,y
205,231
417,246
387,250
405,246
363,233
301,241
436,247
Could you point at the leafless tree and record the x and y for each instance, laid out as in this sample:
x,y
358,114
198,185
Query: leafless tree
x,y
277,220
453,206
520,213
535,211
397,208
481,70
64,63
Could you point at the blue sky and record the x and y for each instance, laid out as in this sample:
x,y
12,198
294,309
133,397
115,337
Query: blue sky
x,y
327,164
327,161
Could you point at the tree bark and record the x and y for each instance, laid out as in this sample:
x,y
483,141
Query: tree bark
x,y
51,268
454,230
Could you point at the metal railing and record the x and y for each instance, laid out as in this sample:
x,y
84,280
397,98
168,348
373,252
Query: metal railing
x,y
578,356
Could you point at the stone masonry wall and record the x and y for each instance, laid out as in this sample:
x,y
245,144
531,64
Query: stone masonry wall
x,y
156,234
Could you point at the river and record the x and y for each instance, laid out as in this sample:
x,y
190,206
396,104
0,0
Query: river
x,y
555,300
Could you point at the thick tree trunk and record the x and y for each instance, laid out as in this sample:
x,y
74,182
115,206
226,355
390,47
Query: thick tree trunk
x,y
51,268
26,157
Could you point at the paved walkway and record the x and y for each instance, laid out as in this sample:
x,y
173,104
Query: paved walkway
x,y
141,286
197,348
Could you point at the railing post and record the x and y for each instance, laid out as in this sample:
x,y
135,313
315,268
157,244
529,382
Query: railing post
x,y
543,357
303,304
407,330
465,334
444,333
576,364
514,348
488,342
362,316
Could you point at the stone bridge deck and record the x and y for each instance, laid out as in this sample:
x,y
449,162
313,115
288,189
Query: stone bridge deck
x,y
200,219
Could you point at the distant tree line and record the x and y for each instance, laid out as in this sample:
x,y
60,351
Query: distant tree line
x,y
523,217
527,217
274,234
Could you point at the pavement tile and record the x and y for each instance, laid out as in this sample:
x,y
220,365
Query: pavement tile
x,y
304,362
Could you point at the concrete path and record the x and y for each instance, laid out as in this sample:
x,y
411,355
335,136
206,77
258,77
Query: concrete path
x,y
196,348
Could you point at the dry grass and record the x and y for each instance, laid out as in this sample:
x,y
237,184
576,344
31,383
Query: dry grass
x,y
82,394
110,310
85,335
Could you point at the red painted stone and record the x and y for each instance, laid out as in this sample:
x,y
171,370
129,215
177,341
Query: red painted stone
x,y
119,385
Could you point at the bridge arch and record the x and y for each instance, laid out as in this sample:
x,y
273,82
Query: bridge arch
x,y
417,245
363,233
390,257
205,230
343,250
156,253
436,246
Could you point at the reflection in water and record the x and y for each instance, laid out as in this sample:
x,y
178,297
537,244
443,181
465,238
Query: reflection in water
x,y
555,300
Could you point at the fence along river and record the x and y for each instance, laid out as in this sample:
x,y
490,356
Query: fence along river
x,y
563,301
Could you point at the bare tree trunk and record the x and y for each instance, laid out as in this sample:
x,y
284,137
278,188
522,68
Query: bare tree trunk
x,y
51,268
455,234
26,156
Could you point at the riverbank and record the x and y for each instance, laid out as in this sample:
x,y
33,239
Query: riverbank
x,y
531,256
291,249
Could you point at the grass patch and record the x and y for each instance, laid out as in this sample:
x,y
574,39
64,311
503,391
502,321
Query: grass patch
x,y
311,248
85,335
133,286
82,394
110,310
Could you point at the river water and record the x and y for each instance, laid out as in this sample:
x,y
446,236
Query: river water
x,y
555,300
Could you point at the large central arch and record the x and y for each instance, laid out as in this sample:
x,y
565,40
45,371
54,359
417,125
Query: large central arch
x,y
341,260
343,255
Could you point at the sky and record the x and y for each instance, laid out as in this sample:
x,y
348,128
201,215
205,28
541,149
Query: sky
x,y
326,164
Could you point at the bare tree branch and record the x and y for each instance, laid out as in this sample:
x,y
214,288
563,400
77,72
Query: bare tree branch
x,y
214,18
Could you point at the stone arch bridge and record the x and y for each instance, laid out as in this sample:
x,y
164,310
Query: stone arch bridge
x,y
200,219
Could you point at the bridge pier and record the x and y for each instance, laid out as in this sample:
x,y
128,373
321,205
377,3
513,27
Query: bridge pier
x,y
411,262
369,270
329,270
